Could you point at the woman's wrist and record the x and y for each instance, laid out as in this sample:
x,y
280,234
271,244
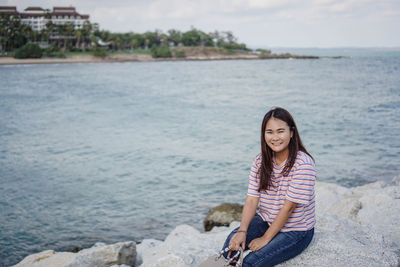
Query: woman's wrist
x,y
240,231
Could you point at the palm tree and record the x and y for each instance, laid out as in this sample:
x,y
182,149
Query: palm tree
x,y
78,36
86,31
3,33
69,31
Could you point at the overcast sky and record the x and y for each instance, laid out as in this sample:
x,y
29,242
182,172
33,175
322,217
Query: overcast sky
x,y
258,23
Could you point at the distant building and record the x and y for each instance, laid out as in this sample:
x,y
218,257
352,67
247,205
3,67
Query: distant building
x,y
37,17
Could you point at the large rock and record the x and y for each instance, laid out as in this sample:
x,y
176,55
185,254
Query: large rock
x,y
47,258
355,227
223,215
102,255
185,243
99,255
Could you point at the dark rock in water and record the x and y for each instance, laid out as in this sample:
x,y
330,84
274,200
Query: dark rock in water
x,y
74,249
223,215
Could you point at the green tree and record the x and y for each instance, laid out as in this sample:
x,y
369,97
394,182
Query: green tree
x,y
150,39
137,41
191,38
69,30
206,40
86,32
175,37
13,33
78,36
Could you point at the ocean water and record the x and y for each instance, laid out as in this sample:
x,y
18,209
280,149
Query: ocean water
x,y
125,151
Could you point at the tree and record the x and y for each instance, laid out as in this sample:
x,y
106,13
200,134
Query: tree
x,y
217,37
230,38
150,39
164,40
206,40
175,37
86,31
191,38
78,36
137,41
13,33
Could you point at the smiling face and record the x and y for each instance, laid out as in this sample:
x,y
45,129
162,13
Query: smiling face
x,y
277,136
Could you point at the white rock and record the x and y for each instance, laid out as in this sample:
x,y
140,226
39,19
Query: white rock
x,y
101,255
47,258
355,227
168,260
146,245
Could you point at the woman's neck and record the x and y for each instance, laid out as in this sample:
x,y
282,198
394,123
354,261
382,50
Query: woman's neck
x,y
281,156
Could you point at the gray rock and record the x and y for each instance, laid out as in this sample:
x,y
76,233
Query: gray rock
x,y
103,256
47,258
146,245
99,255
223,215
355,227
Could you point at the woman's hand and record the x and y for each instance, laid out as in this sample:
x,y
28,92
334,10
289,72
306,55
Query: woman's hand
x,y
258,243
239,239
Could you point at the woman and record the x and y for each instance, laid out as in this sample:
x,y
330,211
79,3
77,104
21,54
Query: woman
x,y
281,185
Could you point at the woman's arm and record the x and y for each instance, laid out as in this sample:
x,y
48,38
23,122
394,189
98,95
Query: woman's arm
x,y
276,226
249,210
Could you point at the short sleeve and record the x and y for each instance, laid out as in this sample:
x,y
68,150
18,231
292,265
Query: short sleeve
x,y
254,178
301,185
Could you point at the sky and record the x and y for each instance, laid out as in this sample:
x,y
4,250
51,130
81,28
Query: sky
x,y
257,23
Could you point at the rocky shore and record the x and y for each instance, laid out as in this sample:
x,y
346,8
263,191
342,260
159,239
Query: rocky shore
x,y
355,227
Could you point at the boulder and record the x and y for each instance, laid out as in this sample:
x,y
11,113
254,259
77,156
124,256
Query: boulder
x,y
355,227
223,215
47,258
347,232
99,255
102,255
186,243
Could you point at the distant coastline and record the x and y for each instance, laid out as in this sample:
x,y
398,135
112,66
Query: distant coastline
x,y
130,57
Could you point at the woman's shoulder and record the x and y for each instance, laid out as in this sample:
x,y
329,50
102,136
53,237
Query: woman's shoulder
x,y
257,160
303,158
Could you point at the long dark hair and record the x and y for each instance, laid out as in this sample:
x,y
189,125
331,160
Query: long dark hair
x,y
295,145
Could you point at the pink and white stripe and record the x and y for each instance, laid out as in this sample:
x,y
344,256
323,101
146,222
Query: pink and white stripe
x,y
297,187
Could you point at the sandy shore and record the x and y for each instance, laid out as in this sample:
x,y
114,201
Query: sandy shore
x,y
113,58
133,58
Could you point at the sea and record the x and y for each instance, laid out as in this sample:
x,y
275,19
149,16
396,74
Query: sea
x,y
110,152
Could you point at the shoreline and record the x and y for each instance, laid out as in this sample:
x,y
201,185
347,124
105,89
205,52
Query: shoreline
x,y
141,58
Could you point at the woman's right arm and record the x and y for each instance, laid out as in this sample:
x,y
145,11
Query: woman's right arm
x,y
249,210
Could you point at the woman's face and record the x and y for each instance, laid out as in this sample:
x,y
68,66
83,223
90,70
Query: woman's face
x,y
277,135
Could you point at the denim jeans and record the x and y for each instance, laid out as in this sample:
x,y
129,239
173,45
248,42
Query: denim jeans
x,y
284,246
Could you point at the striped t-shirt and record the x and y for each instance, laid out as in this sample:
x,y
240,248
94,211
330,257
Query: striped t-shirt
x,y
297,187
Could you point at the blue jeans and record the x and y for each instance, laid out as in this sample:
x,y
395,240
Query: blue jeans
x,y
284,246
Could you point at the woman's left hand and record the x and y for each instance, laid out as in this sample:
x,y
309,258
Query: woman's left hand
x,y
257,243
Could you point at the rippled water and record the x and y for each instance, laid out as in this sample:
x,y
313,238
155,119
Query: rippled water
x,y
126,151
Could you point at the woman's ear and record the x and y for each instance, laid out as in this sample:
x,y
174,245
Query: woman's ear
x,y
291,132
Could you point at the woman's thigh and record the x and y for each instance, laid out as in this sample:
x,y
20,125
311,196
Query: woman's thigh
x,y
284,246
